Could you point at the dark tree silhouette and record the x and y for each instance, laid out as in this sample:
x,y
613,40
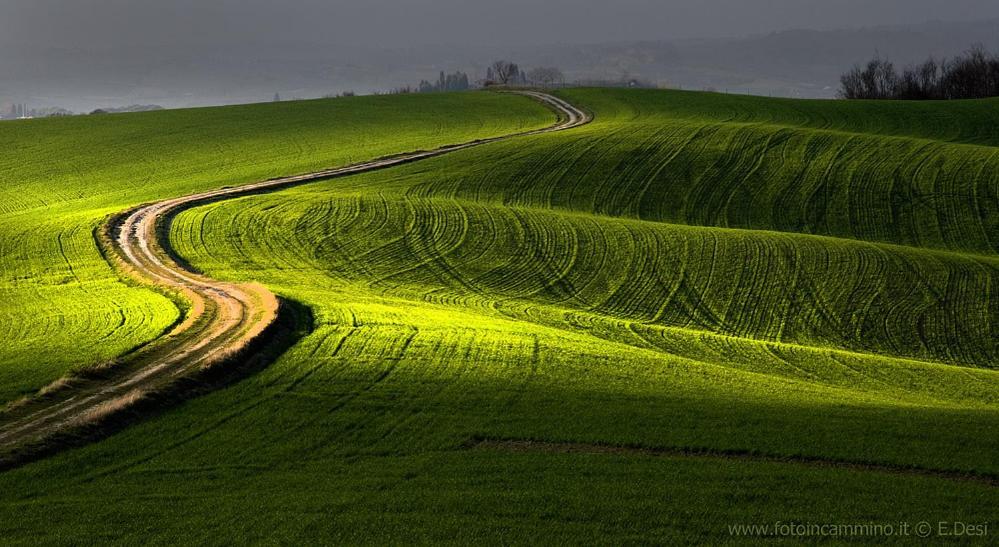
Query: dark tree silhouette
x,y
505,72
457,81
973,75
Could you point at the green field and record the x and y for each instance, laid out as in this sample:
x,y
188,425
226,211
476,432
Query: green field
x,y
784,310
61,305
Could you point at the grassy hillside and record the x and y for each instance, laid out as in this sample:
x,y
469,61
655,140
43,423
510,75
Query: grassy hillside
x,y
888,173
769,297
61,306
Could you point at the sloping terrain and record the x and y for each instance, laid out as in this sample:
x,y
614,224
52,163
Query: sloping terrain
x,y
696,311
224,325
62,307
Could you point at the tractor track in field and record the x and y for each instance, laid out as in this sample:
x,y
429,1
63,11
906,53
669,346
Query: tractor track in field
x,y
525,446
222,322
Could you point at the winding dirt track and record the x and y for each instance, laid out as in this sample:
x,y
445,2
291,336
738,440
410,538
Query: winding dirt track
x,y
223,320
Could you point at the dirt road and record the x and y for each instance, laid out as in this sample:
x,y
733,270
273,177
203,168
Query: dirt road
x,y
222,322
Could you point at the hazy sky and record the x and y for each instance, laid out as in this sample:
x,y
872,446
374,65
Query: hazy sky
x,y
393,23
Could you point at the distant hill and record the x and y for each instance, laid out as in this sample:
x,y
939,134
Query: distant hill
x,y
131,108
805,63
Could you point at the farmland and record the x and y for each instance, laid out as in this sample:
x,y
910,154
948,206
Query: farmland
x,y
697,310
62,307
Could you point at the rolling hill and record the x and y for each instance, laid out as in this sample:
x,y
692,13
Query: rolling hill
x,y
63,307
695,312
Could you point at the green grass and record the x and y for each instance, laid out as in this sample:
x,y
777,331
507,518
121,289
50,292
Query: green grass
x,y
62,307
790,279
742,162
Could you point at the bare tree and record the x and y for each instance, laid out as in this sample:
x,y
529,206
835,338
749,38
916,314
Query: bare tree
x,y
919,82
878,80
505,71
972,75
545,76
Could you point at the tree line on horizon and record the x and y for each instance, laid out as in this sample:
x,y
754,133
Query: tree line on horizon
x,y
457,81
503,72
972,75
500,72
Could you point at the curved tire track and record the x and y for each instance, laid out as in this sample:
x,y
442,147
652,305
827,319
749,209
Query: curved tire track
x,y
222,320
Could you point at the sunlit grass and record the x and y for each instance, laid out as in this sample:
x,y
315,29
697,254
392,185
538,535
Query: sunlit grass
x,y
61,305
691,272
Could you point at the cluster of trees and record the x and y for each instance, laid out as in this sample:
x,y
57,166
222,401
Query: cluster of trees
x,y
457,81
349,93
498,73
973,75
504,72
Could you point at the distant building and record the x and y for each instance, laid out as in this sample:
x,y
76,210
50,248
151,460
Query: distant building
x,y
20,111
15,111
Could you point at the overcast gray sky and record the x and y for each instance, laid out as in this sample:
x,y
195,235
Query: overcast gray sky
x,y
393,23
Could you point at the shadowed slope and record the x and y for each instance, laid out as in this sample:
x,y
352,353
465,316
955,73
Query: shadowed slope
x,y
526,291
